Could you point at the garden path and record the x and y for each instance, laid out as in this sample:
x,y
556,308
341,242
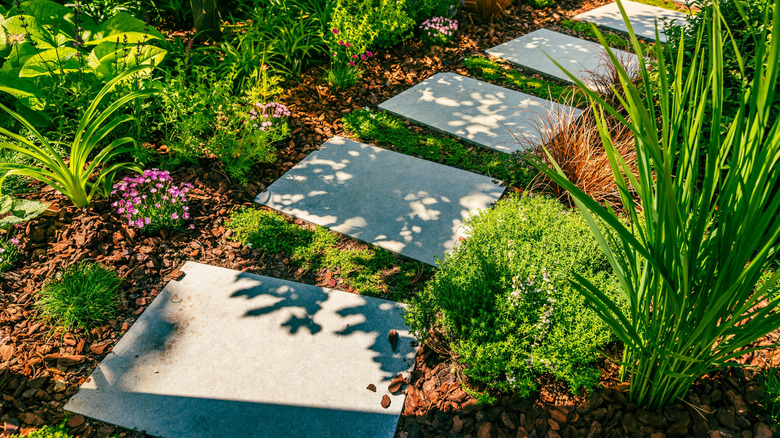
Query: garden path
x,y
643,18
225,353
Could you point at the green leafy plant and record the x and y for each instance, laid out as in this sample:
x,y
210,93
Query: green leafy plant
x,y
15,211
81,296
421,10
85,172
390,131
56,58
59,431
10,253
744,19
345,70
505,305
368,271
692,251
201,117
771,401
369,24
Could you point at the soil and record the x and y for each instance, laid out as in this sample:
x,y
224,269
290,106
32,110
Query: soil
x,y
41,367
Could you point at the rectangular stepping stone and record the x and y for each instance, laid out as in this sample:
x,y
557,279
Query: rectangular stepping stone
x,y
586,60
642,17
221,353
404,204
484,114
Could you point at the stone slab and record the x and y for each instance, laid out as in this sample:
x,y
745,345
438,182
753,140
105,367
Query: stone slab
x,y
404,204
221,353
484,114
584,59
642,17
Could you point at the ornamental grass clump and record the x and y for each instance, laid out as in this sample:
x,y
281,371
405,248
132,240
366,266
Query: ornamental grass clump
x,y
689,256
438,30
83,295
152,202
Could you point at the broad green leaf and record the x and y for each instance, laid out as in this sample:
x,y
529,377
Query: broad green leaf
x,y
34,30
21,210
22,89
124,25
3,38
17,56
49,13
112,63
52,61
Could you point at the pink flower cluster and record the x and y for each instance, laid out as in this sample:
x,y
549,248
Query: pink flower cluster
x,y
265,116
351,57
151,201
439,29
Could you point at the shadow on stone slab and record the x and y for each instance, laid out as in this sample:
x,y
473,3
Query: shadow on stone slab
x,y
227,353
190,417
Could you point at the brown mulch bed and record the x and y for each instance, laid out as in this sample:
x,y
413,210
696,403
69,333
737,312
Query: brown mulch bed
x,y
40,368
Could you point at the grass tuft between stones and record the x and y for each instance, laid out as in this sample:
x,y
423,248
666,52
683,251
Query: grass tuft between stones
x,y
390,131
83,295
371,271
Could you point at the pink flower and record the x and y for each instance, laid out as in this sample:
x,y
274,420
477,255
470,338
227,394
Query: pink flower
x,y
335,31
174,216
369,54
354,56
364,57
348,45
352,63
335,54
14,241
341,43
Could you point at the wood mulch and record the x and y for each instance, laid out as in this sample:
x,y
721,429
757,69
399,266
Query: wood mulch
x,y
41,367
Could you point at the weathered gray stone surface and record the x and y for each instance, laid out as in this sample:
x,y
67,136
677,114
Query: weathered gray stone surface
x,y
404,204
482,113
586,60
221,353
642,17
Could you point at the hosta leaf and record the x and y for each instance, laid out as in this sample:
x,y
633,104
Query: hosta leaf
x,y
18,55
21,210
22,89
57,61
124,25
108,65
3,38
49,13
34,30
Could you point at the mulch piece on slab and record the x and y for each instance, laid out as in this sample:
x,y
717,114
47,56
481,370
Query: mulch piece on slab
x,y
40,368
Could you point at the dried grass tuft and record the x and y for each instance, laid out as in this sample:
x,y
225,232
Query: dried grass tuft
x,y
488,9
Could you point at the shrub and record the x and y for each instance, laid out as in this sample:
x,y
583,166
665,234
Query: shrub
x,y
771,401
368,271
504,302
47,432
372,23
200,117
421,10
83,295
708,218
152,202
58,58
438,30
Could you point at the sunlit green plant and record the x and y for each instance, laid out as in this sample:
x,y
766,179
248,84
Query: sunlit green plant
x,y
85,172
706,224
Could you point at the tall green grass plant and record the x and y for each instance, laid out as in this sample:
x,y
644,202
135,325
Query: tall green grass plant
x,y
705,224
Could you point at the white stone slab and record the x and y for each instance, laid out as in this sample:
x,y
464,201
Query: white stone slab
x,y
643,18
586,60
404,204
484,114
221,353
